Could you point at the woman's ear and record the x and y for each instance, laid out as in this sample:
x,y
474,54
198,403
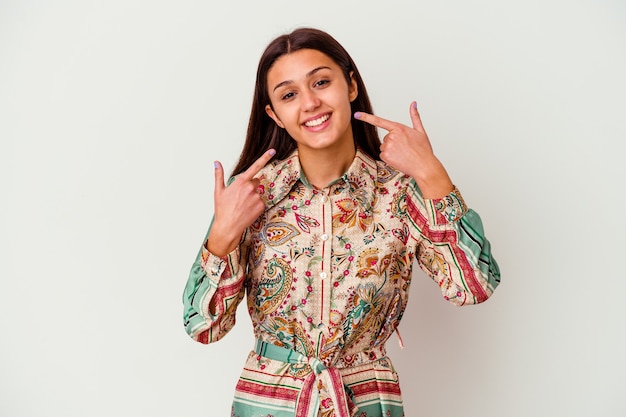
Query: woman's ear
x,y
270,113
353,90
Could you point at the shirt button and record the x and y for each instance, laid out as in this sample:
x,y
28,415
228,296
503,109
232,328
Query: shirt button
x,y
324,236
323,275
324,199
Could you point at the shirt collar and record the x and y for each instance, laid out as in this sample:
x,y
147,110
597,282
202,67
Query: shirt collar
x,y
278,178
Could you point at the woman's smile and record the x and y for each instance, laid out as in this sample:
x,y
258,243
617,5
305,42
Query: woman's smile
x,y
317,123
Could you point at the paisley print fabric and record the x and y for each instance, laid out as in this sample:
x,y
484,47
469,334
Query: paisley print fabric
x,y
326,274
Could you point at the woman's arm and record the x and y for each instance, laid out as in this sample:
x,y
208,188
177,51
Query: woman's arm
x,y
214,290
452,247
215,285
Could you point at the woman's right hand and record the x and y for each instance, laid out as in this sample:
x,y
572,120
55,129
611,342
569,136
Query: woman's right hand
x,y
236,206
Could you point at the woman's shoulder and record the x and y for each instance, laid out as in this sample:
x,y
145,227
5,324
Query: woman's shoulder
x,y
277,178
386,174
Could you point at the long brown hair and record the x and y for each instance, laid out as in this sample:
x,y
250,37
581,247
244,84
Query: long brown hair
x,y
263,133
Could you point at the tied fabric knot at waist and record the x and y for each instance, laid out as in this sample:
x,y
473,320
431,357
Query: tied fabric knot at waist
x,y
308,401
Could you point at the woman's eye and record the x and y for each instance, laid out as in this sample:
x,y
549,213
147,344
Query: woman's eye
x,y
287,96
321,83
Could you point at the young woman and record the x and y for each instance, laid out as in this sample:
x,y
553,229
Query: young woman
x,y
319,228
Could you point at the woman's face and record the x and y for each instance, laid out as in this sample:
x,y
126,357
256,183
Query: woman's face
x,y
311,100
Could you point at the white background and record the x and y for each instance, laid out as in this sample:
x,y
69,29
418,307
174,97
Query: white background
x,y
111,114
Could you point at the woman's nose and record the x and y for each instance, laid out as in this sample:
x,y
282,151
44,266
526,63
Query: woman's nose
x,y
310,101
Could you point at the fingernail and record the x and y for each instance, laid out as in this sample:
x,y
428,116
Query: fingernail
x,y
216,165
272,152
357,115
415,105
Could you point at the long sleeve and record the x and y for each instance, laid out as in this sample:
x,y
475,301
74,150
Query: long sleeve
x,y
452,247
214,290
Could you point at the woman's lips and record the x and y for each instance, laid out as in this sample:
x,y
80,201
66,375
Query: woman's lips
x,y
318,122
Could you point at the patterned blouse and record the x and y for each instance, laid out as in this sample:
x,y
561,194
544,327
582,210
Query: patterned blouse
x,y
326,273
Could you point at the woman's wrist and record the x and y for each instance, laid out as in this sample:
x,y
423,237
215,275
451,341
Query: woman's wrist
x,y
433,180
221,241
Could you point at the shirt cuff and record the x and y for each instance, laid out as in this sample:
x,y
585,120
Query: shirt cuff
x,y
214,265
448,209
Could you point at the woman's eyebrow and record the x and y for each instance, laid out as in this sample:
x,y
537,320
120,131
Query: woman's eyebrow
x,y
308,74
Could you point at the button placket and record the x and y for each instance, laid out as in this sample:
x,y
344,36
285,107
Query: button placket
x,y
325,272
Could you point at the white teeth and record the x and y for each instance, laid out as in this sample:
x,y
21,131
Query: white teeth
x,y
317,122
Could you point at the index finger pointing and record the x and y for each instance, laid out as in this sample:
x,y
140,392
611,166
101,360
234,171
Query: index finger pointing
x,y
259,164
375,120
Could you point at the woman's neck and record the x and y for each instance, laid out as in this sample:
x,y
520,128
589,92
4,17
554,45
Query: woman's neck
x,y
321,167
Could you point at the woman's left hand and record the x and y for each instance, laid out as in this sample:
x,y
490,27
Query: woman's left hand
x,y
408,149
